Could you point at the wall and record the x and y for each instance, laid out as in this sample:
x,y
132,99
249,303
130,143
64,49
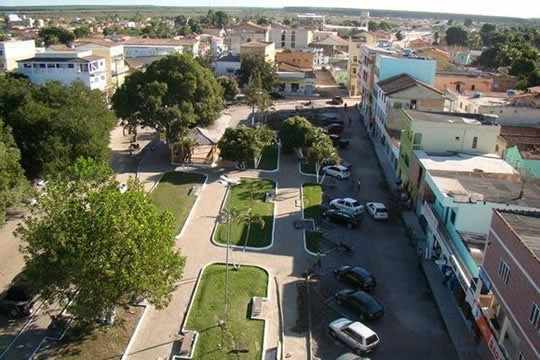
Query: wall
x,y
513,157
423,70
301,59
11,51
513,115
267,52
226,68
447,81
135,51
238,37
519,293
302,38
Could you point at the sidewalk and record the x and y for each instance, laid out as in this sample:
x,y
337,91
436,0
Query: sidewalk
x,y
461,336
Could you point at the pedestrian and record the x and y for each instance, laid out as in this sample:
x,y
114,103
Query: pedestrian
x,y
350,120
345,107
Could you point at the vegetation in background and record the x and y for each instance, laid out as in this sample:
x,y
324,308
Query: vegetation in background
x,y
244,144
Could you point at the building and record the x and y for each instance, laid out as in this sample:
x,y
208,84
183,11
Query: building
x,y
246,32
511,271
300,59
145,47
396,93
66,67
263,49
461,81
442,133
466,57
420,68
310,19
14,50
356,41
113,53
295,83
228,65
285,37
520,147
331,43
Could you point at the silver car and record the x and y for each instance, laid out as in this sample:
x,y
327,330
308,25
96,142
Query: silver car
x,y
357,336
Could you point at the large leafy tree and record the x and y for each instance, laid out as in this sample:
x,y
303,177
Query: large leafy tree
x,y
172,95
456,35
55,124
252,67
295,133
94,248
320,150
230,87
244,144
13,184
55,35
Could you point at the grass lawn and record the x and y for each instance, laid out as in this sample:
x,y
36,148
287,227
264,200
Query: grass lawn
x,y
313,241
269,160
312,198
104,342
307,167
173,194
239,198
208,308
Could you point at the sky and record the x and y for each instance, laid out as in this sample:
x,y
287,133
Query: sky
x,y
514,8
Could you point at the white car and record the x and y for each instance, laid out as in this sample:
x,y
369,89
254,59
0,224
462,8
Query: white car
x,y
377,210
354,334
338,171
348,205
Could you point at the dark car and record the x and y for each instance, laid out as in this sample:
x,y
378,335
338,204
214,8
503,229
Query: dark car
x,y
335,129
339,142
331,118
357,277
336,100
17,302
365,305
341,217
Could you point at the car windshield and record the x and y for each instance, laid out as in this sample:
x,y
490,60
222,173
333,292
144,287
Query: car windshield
x,y
355,203
381,211
362,272
371,304
372,339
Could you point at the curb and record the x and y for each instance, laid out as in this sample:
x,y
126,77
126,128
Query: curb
x,y
135,332
251,248
184,330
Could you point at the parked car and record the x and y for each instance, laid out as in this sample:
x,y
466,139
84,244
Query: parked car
x,y
349,205
338,171
377,210
356,276
365,305
341,217
336,100
355,335
334,128
331,118
18,300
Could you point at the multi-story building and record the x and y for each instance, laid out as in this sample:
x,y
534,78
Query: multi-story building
x,y
14,50
263,49
461,81
145,47
396,93
285,37
228,65
66,67
356,41
246,32
444,132
420,68
310,19
113,53
332,44
300,59
295,83
511,270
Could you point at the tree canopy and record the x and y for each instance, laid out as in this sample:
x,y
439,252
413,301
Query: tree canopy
x,y
230,87
173,94
294,133
13,184
92,247
456,35
254,66
54,124
55,35
245,144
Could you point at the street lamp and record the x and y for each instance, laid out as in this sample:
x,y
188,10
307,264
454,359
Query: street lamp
x,y
226,217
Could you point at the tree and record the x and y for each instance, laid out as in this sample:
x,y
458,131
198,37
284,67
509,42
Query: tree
x,y
53,124
522,67
174,94
251,219
320,150
230,87
81,32
54,35
94,248
252,67
487,31
455,35
294,133
13,184
244,144
258,97
468,22
399,36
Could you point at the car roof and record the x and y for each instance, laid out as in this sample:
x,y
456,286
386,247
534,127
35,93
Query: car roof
x,y
377,205
367,299
349,199
361,329
361,271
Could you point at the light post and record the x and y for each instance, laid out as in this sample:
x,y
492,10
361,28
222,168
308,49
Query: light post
x,y
226,217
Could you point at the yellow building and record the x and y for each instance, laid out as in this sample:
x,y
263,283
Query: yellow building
x,y
264,49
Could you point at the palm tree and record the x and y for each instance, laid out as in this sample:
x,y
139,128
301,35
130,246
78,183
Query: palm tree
x,y
184,147
251,219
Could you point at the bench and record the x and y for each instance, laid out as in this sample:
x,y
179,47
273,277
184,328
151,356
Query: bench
x,y
187,345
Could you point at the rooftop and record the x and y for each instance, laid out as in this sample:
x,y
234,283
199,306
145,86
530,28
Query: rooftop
x,y
256,43
66,59
489,164
449,118
402,82
493,188
156,42
527,227
229,58
331,40
250,26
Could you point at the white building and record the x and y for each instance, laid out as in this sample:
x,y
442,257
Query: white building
x,y
66,67
295,83
285,37
14,50
246,32
228,65
143,47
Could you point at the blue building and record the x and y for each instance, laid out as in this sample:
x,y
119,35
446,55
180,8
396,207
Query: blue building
x,y
420,68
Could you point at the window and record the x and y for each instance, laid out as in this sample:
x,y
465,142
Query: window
x,y
534,318
504,271
293,44
49,66
453,217
413,104
355,59
282,43
42,66
27,65
71,66
475,142
473,87
417,140
295,87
